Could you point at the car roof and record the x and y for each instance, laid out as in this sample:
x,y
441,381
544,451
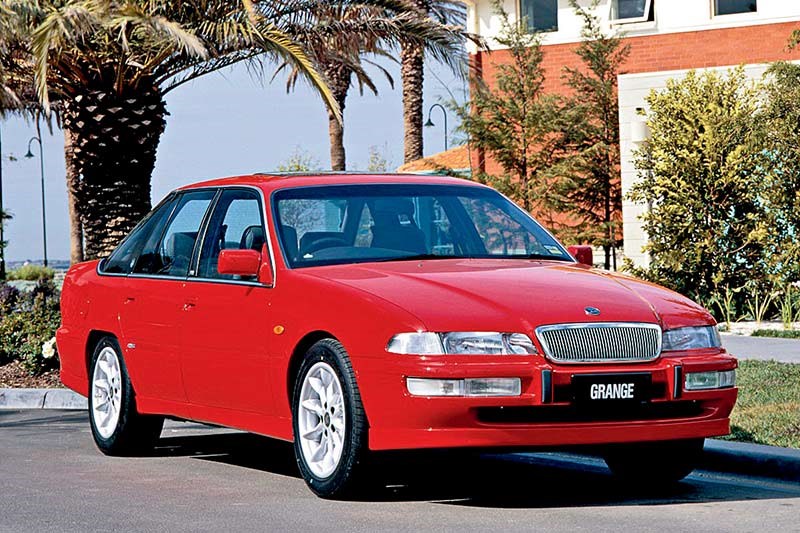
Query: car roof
x,y
269,181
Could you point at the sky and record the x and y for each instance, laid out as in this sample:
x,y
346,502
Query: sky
x,y
221,125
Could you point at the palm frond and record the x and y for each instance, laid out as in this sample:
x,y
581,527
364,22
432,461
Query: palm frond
x,y
61,28
282,45
121,43
169,33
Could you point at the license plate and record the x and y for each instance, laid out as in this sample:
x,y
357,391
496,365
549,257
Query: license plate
x,y
611,388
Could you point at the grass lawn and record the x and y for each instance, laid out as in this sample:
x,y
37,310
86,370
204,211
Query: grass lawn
x,y
768,409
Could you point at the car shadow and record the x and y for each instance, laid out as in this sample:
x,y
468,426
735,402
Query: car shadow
x,y
239,449
540,480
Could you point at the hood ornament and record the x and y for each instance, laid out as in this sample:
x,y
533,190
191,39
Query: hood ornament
x,y
591,311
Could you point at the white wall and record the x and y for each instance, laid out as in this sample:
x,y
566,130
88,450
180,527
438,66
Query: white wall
x,y
671,16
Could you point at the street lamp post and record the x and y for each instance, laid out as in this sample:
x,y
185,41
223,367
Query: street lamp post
x,y
44,212
430,124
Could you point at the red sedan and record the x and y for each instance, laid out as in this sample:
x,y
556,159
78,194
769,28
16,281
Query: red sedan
x,y
356,313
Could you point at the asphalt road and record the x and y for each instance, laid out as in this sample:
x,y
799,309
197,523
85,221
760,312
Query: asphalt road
x,y
763,348
201,479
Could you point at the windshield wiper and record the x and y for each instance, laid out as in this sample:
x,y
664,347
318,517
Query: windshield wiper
x,y
423,257
541,256
419,257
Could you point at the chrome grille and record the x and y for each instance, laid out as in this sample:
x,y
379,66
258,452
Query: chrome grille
x,y
600,342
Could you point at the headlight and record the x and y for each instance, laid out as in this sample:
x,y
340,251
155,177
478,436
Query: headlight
x,y
461,343
691,338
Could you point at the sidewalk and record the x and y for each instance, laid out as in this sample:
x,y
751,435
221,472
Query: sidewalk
x,y
762,348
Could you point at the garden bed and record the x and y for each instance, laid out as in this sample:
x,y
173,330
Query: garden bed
x,y
777,333
759,329
13,375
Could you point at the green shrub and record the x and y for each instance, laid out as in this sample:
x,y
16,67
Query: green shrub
x,y
28,324
31,273
705,175
779,333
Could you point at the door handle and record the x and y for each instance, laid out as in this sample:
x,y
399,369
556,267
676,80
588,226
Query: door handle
x,y
188,306
129,300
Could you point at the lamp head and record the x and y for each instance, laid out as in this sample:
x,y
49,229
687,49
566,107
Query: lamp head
x,y
429,123
29,154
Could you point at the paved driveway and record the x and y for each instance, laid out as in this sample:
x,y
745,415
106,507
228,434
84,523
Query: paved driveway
x,y
763,348
201,479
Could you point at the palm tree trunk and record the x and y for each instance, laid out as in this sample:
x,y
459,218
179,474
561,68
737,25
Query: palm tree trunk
x,y
412,70
336,132
338,77
73,183
112,155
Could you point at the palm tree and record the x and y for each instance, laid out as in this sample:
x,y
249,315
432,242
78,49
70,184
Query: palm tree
x,y
349,36
111,63
412,69
338,59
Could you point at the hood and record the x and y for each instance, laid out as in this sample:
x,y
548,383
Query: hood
x,y
496,294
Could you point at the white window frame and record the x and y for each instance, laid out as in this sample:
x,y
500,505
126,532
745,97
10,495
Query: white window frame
x,y
553,30
632,20
714,13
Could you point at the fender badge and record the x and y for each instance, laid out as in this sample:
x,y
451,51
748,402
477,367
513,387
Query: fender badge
x,y
591,311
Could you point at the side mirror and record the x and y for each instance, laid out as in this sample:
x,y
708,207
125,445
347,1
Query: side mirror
x,y
239,262
583,253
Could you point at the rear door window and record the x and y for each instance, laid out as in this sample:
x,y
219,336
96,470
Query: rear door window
x,y
123,259
170,253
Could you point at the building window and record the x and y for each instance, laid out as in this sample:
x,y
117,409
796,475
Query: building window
x,y
540,15
632,11
730,7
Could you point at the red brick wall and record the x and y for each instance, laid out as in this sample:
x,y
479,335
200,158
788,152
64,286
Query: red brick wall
x,y
674,51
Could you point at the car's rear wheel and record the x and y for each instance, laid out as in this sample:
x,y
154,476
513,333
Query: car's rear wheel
x,y
654,463
117,428
330,427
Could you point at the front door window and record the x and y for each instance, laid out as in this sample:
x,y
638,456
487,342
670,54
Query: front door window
x,y
236,223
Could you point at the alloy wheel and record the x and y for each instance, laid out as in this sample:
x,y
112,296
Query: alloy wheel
x,y
106,392
321,420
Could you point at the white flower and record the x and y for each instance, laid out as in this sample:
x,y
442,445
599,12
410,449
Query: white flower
x,y
49,349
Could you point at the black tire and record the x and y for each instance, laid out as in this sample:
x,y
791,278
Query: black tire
x,y
654,463
349,477
134,433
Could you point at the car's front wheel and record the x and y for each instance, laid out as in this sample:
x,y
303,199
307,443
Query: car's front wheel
x,y
117,428
330,427
654,463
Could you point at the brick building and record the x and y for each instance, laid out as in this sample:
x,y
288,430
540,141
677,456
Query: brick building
x,y
667,38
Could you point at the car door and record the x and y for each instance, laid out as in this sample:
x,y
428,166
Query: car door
x,y
225,357
153,300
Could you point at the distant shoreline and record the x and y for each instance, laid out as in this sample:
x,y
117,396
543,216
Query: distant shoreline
x,y
56,264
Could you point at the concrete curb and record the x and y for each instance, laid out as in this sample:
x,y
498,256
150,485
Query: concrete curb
x,y
41,399
751,459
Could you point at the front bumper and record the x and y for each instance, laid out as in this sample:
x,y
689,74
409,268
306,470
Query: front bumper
x,y
544,414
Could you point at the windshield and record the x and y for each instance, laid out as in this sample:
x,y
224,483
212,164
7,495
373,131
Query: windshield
x,y
338,224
